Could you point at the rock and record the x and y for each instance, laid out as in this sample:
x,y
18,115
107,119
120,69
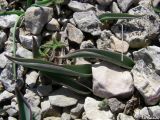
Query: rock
x,y
22,52
27,40
115,105
119,45
77,111
139,32
11,111
87,22
32,99
3,59
8,21
104,2
36,111
74,34
11,118
5,95
111,81
1,87
79,7
100,9
156,3
148,113
6,78
115,8
87,44
44,90
122,116
3,6
53,25
3,39
146,73
63,97
92,110
52,118
36,18
31,78
48,110
66,114
124,5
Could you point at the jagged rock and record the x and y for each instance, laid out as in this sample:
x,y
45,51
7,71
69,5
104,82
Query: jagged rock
x,y
44,90
74,34
53,25
147,113
3,5
36,111
66,114
22,52
124,5
87,44
79,7
115,8
115,105
76,112
87,22
139,32
36,18
111,81
122,116
31,78
10,110
92,110
3,59
3,39
8,21
146,73
63,97
5,95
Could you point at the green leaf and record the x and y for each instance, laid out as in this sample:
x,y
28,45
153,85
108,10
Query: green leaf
x,y
29,3
47,2
116,16
24,108
108,56
46,66
69,82
17,12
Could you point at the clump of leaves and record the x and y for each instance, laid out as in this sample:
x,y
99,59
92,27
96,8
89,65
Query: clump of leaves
x,y
103,105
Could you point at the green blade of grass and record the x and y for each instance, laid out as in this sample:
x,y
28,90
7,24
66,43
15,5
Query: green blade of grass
x,y
116,16
69,82
24,108
46,67
17,12
108,56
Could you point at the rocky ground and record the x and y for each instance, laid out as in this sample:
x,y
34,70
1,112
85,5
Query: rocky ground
x,y
130,95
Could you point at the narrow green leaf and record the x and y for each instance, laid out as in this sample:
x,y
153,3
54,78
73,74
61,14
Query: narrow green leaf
x,y
69,82
17,12
116,16
46,66
24,108
108,56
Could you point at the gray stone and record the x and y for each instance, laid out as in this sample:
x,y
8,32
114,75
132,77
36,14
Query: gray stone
x,y
48,110
63,97
52,118
31,78
36,18
5,95
115,105
87,44
10,110
148,113
27,40
124,5
53,25
146,73
3,39
6,78
115,8
36,111
32,99
139,32
111,81
8,21
79,7
77,111
87,22
66,114
156,3
3,59
3,5
92,110
11,118
122,116
44,90
22,52
74,34
100,9
104,2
